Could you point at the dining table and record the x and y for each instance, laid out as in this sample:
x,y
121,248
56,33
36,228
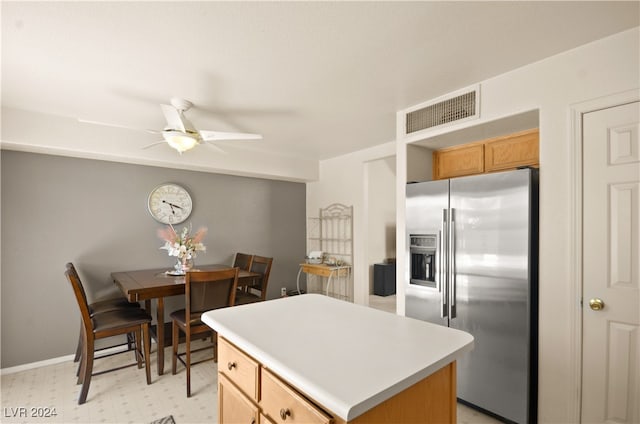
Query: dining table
x,y
158,283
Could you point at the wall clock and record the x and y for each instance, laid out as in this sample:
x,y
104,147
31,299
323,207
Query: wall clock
x,y
170,203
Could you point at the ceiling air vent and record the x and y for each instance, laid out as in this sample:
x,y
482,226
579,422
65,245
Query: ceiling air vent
x,y
444,110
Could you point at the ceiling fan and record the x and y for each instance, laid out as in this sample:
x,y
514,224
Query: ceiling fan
x,y
180,133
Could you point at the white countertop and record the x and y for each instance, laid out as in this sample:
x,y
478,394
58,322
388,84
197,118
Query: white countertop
x,y
347,357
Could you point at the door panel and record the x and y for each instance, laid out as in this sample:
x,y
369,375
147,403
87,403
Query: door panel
x,y
424,214
611,203
491,238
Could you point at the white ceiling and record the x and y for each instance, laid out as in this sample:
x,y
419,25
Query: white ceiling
x,y
317,79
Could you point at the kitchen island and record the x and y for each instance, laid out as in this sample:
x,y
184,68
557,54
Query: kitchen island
x,y
312,358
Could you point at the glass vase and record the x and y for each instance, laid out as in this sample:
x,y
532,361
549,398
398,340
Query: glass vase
x,y
184,264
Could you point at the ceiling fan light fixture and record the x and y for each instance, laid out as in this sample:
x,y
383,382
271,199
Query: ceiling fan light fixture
x,y
179,140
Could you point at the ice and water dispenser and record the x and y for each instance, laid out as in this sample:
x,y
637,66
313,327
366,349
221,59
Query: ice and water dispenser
x,y
423,249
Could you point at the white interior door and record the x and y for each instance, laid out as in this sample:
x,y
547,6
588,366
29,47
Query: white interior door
x,y
611,301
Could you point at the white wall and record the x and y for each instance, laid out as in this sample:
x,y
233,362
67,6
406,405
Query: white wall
x,y
344,180
381,212
551,86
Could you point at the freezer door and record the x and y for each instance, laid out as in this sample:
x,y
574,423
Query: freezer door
x,y
490,289
426,204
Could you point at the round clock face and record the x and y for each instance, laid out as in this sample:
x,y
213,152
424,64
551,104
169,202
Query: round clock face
x,y
170,204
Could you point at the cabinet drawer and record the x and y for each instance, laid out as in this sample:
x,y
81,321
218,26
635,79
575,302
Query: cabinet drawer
x,y
283,405
233,405
238,367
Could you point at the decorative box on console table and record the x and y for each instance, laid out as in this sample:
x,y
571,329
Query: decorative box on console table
x,y
315,359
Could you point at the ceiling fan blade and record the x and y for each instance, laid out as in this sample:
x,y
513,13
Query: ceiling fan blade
x,y
153,144
108,124
214,147
219,136
173,117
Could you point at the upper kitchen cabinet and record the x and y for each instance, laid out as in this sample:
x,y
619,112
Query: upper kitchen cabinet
x,y
458,161
495,154
512,151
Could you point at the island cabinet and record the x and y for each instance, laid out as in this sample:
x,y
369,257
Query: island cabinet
x,y
314,359
247,391
250,393
238,385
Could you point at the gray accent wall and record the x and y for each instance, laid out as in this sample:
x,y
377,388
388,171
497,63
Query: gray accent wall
x,y
93,213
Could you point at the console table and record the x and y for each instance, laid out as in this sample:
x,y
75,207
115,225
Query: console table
x,y
324,270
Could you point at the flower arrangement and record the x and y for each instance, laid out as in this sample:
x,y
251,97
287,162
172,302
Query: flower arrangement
x,y
182,245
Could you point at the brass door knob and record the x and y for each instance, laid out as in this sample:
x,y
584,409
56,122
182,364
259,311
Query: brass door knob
x,y
596,304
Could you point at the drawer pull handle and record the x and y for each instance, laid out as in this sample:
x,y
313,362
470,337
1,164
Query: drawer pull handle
x,y
284,413
231,365
253,420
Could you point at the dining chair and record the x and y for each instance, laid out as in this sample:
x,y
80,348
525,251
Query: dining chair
x,y
257,290
103,305
243,261
204,291
107,324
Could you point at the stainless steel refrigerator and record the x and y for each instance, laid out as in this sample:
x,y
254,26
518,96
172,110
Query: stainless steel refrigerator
x,y
473,265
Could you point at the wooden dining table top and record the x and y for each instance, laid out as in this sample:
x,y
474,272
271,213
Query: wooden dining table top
x,y
157,282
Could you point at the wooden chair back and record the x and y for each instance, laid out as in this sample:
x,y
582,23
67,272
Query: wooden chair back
x,y
207,290
261,265
78,291
243,261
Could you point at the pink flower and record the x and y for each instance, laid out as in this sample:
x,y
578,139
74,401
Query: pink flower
x,y
168,234
199,235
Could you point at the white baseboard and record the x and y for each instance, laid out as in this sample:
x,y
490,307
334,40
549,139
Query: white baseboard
x,y
33,365
58,360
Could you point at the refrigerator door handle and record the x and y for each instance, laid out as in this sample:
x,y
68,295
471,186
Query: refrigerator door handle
x,y
442,268
452,263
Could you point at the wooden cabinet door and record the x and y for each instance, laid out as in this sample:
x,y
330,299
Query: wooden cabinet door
x,y
458,161
512,151
233,406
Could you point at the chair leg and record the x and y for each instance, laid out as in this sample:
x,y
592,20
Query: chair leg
x,y
188,361
83,360
79,347
79,350
87,370
131,342
147,351
138,345
80,371
175,332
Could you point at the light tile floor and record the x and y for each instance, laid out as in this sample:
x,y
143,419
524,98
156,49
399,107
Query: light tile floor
x,y
118,397
384,303
123,396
